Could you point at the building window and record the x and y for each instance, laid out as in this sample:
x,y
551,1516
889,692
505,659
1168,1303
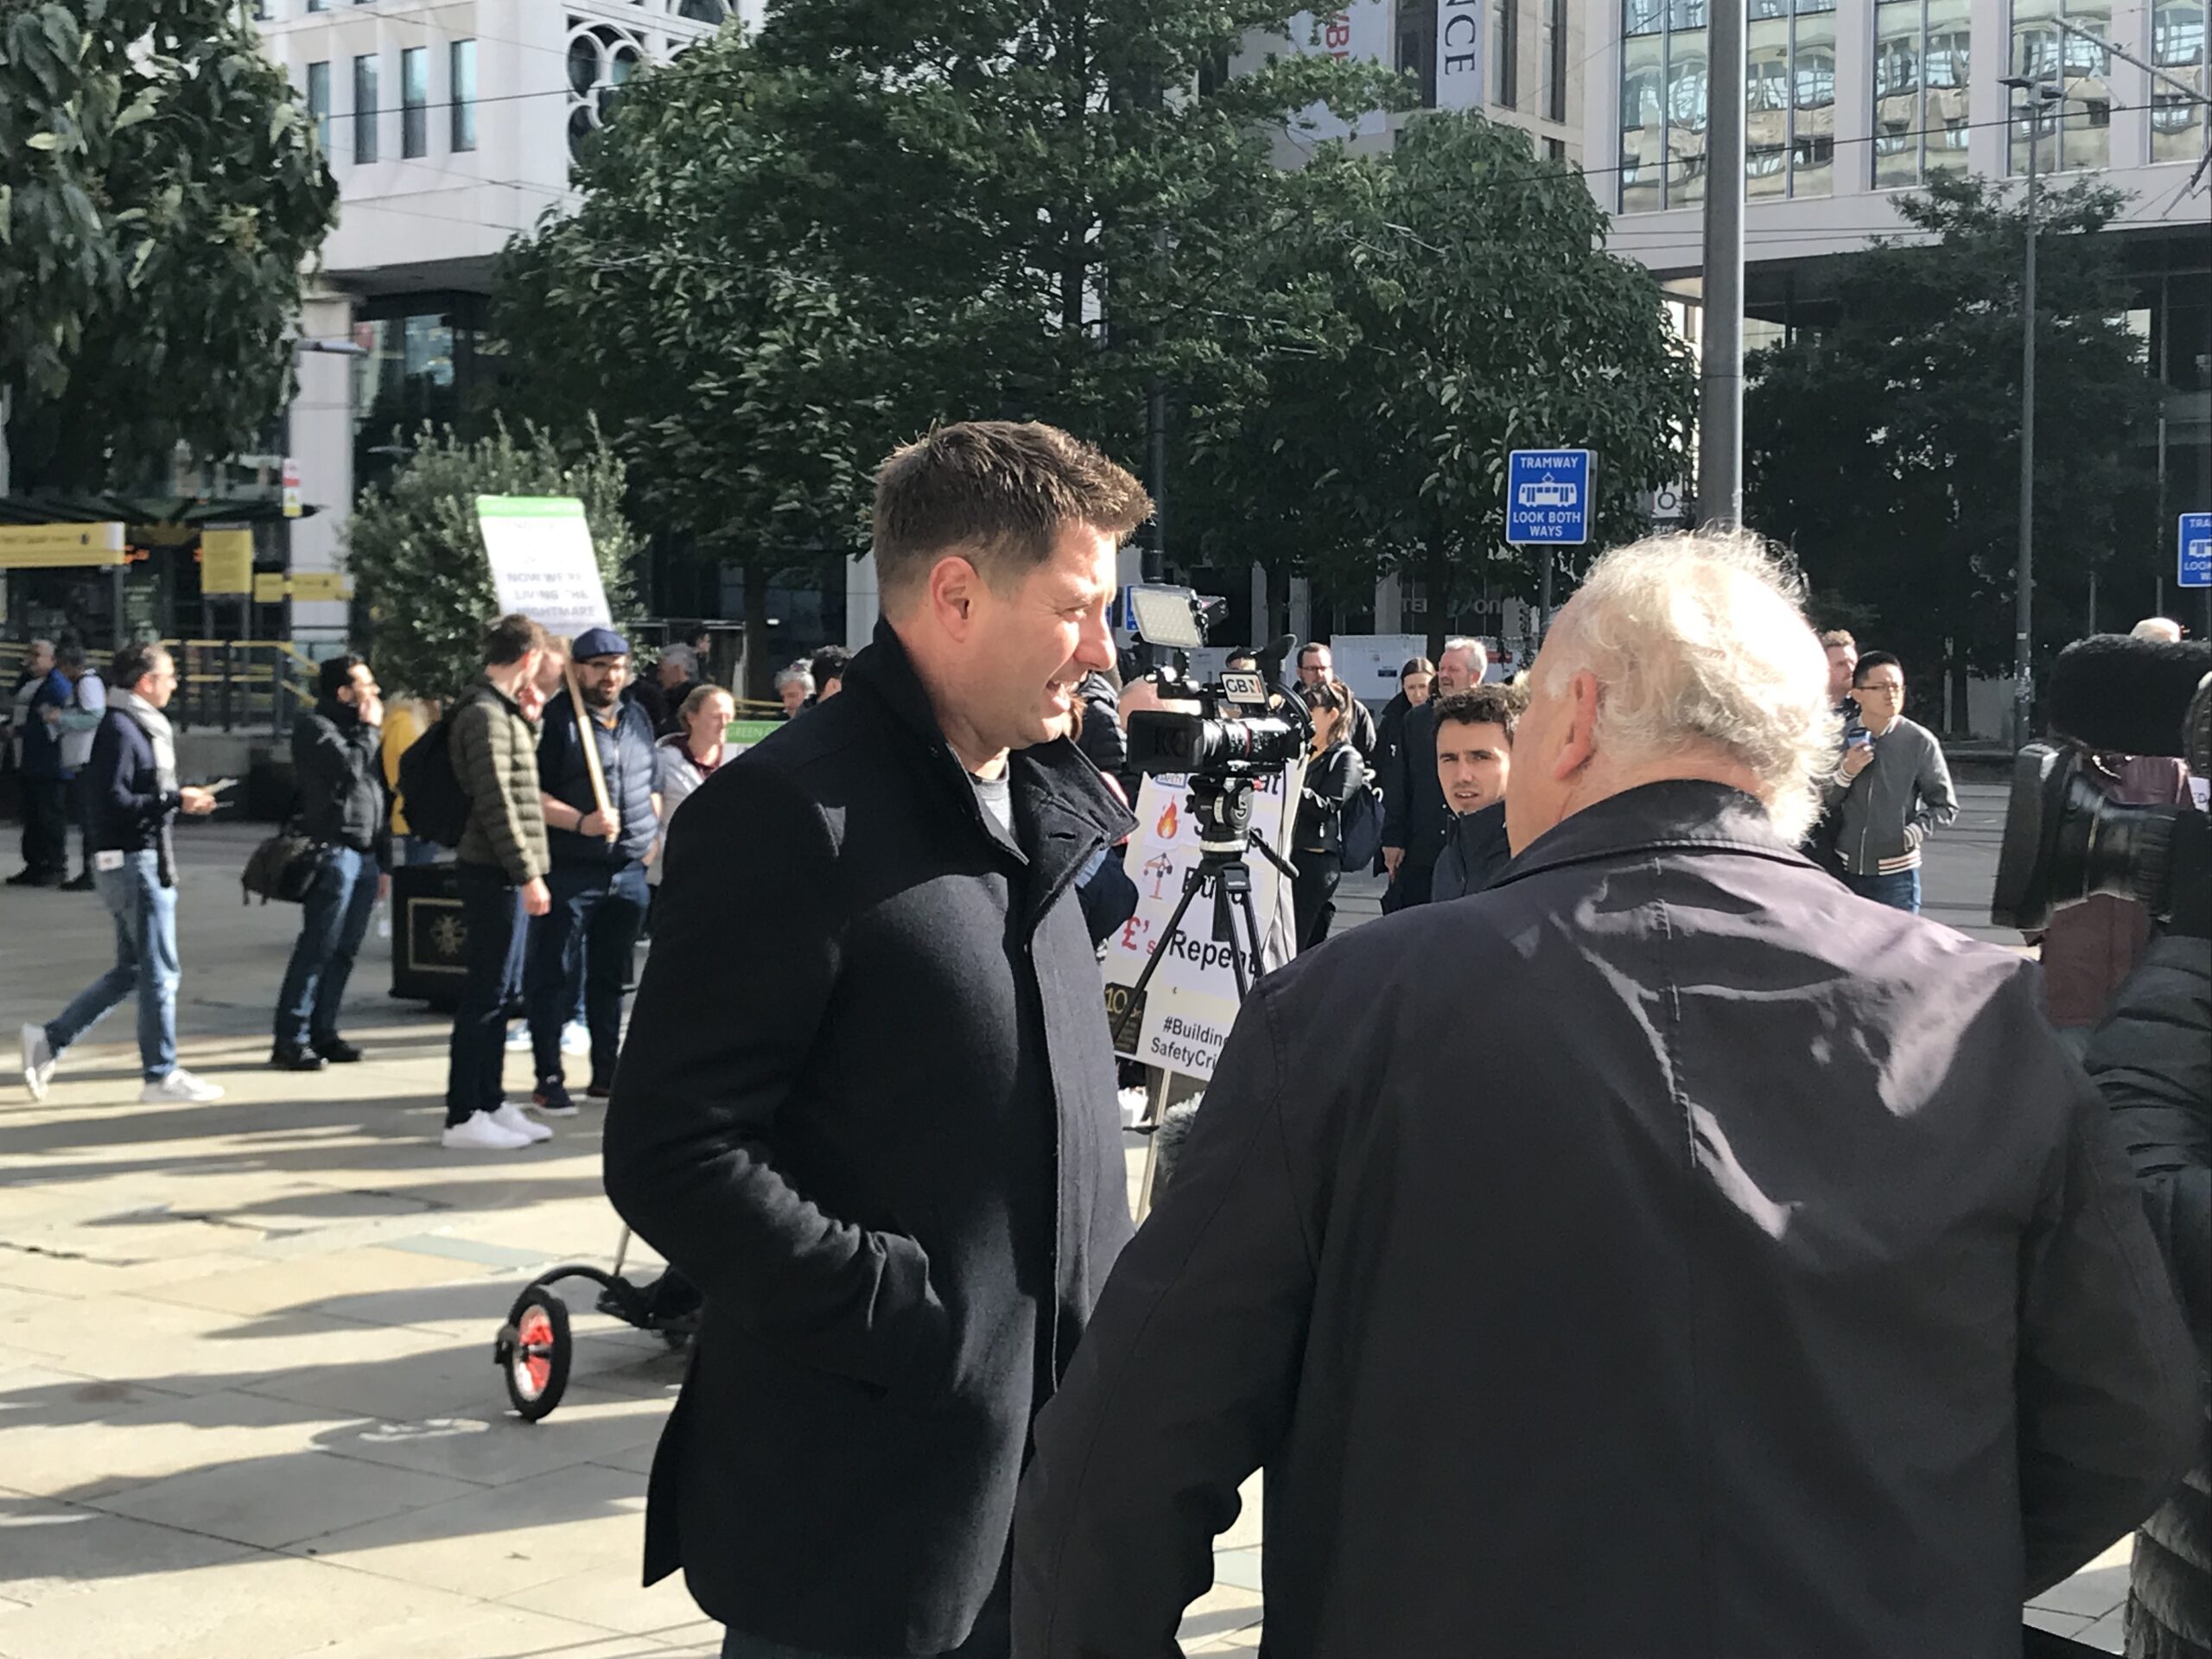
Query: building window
x,y
1417,51
1556,149
2178,125
1556,60
318,5
1789,101
364,108
415,101
601,58
1921,63
462,94
1507,35
319,103
2076,131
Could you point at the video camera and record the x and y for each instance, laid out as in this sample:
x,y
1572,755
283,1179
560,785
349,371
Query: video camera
x,y
2065,840
1240,730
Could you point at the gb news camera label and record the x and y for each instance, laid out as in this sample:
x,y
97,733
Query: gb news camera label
x,y
1192,1002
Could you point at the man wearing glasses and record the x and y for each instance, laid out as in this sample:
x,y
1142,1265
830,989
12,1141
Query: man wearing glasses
x,y
1891,788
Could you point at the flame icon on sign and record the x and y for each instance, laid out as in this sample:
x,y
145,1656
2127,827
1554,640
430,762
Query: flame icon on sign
x,y
1166,827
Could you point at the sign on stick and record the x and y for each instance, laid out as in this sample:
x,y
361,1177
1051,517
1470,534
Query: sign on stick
x,y
542,562
1548,497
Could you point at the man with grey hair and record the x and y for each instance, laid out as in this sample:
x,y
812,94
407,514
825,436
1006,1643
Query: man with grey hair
x,y
2162,629
794,685
1803,1301
1417,818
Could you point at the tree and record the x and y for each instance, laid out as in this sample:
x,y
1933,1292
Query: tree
x,y
416,554
794,254
1473,310
1885,449
159,191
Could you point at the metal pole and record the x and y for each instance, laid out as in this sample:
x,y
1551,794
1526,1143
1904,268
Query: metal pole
x,y
1544,599
2024,576
1720,377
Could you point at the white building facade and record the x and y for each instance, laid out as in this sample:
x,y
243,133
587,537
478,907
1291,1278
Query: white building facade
x,y
449,126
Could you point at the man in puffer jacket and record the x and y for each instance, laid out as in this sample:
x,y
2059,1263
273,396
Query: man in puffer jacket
x,y
2152,1058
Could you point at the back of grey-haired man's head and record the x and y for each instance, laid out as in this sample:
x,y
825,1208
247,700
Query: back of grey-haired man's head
x,y
797,674
2157,627
1700,642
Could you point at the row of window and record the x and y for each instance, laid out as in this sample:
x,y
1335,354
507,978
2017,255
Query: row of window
x,y
697,11
1922,63
413,101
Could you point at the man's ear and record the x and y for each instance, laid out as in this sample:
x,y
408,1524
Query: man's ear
x,y
1578,740
955,588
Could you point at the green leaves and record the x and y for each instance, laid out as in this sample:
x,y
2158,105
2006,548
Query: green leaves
x,y
167,210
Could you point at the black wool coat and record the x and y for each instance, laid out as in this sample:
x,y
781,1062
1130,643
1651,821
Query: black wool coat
x,y
866,1104
1415,815
1662,1254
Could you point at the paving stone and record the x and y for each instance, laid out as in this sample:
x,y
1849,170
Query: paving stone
x,y
140,1437
49,1549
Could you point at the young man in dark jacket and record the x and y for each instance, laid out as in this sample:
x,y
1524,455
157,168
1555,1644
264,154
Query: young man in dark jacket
x,y
1790,1298
337,771
597,883
868,1104
136,797
1474,761
501,867
1414,815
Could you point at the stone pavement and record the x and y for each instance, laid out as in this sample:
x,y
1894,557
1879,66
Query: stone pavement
x,y
246,1399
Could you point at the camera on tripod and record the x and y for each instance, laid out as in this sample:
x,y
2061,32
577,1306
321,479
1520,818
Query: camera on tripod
x,y
1241,730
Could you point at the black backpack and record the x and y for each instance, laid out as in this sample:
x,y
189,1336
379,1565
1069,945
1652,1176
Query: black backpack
x,y
1359,830
430,795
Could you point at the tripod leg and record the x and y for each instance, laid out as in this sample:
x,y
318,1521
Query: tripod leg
x,y
1259,940
1192,883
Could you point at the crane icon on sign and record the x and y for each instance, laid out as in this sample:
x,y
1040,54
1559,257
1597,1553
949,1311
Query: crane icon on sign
x,y
1555,494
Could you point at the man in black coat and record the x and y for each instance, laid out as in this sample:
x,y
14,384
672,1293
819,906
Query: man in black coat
x,y
2152,1060
867,1101
1415,815
337,769
1788,1297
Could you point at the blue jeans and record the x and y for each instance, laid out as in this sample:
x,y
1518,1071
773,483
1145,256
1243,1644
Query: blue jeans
x,y
584,944
407,850
491,912
1899,892
145,962
333,917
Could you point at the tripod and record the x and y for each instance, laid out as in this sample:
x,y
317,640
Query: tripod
x,y
1224,809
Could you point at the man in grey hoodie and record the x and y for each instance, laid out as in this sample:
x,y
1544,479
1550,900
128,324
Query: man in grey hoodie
x,y
1891,788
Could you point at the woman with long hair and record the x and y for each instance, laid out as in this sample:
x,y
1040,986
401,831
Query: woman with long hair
x,y
1333,770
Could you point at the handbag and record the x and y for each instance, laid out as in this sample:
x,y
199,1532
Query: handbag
x,y
283,867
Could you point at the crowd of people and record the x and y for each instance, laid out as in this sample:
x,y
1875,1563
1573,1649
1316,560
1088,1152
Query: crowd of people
x,y
1650,1186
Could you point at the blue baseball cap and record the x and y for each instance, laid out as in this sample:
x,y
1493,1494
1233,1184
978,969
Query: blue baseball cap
x,y
598,642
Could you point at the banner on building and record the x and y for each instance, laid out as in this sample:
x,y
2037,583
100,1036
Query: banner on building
x,y
1359,33
542,562
1192,1002
1458,55
226,561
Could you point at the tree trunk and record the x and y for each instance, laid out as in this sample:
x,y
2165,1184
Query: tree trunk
x,y
759,672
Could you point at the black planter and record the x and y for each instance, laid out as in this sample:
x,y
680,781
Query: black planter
x,y
429,941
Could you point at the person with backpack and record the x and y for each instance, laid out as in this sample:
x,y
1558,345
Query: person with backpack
x,y
1335,775
490,747
342,812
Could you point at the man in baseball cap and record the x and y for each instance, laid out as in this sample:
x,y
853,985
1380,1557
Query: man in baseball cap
x,y
600,843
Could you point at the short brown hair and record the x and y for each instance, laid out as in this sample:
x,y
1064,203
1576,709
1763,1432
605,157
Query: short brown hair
x,y
1486,705
1838,636
512,638
999,492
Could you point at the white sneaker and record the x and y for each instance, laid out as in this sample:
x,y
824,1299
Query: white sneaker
x,y
519,1037
180,1085
576,1037
38,1061
482,1133
515,1120
1134,1099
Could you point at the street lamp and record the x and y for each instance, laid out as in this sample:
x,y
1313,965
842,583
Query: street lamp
x,y
2039,94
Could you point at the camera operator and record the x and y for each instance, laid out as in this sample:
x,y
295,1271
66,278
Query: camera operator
x,y
1793,1299
1333,770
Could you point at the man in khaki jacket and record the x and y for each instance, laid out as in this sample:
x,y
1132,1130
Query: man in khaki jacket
x,y
502,861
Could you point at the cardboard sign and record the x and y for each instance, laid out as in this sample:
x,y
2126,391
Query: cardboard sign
x,y
542,562
225,561
1192,1000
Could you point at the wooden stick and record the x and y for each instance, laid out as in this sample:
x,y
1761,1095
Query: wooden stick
x,y
590,740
